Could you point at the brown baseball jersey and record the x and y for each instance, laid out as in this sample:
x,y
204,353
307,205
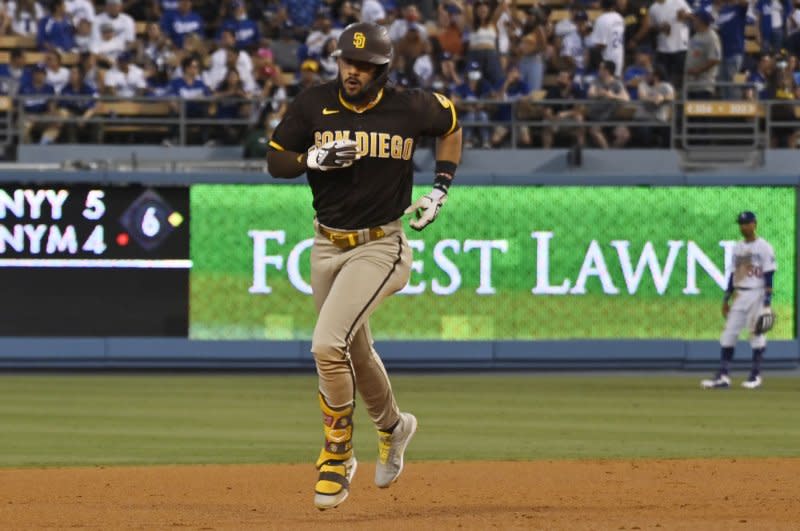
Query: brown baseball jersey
x,y
376,189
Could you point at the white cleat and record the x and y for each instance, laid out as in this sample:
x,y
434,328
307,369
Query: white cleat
x,y
752,382
391,447
720,382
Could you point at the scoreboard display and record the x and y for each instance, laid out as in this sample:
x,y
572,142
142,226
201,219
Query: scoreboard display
x,y
89,260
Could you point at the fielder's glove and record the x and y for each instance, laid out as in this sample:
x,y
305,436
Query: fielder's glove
x,y
426,208
764,322
333,155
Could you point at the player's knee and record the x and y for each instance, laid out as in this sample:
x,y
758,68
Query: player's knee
x,y
328,351
757,342
728,339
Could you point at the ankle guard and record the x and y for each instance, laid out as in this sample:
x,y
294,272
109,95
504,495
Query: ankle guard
x,y
338,428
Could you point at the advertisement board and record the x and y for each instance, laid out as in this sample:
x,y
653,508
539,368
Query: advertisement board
x,y
500,263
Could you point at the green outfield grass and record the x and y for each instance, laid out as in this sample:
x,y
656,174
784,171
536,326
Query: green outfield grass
x,y
112,419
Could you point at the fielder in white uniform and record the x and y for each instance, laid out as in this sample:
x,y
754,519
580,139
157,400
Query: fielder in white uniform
x,y
749,295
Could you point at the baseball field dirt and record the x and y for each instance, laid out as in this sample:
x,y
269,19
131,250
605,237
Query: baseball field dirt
x,y
584,494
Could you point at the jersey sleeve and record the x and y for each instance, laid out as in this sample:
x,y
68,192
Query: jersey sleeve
x,y
293,133
437,113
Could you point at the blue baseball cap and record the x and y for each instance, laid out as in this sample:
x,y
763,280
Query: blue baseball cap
x,y
745,217
473,66
580,16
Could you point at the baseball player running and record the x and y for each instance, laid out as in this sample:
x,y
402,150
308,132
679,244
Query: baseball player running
x,y
355,138
750,290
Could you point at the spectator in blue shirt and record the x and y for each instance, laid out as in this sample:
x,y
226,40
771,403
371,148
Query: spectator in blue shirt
x,y
231,105
465,96
14,74
82,107
55,32
730,28
759,79
38,101
301,12
638,71
187,90
165,10
514,88
183,23
771,37
244,29
190,87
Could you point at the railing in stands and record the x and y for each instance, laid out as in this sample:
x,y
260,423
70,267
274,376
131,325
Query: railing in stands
x,y
153,120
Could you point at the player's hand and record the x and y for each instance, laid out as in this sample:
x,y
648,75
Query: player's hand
x,y
426,208
726,308
333,155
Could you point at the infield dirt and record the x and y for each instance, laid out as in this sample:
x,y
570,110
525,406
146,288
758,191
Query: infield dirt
x,y
632,494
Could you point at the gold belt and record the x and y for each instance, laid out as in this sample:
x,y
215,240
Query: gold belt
x,y
349,239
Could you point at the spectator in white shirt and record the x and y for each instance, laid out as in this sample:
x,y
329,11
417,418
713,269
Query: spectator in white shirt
x,y
126,80
57,75
372,11
155,47
80,9
107,46
410,18
323,31
214,76
123,24
23,16
573,44
670,19
227,57
609,36
84,36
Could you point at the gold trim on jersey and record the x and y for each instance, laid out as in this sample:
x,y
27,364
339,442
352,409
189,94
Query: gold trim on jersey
x,y
445,102
275,145
368,106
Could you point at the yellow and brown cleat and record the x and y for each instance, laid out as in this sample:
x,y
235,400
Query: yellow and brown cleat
x,y
333,484
336,462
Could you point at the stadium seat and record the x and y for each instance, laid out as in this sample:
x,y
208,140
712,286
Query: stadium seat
x,y
35,58
550,80
136,109
10,42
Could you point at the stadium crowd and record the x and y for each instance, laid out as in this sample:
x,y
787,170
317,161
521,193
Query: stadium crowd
x,y
236,63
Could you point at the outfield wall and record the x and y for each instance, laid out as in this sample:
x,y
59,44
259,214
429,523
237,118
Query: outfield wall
x,y
547,271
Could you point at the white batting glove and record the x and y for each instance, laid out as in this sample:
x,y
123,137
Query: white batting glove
x,y
333,155
426,208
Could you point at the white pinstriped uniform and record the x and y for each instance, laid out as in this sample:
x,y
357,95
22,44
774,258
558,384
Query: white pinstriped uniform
x,y
751,260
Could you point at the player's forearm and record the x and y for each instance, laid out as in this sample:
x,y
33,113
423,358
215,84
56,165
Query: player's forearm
x,y
448,155
449,147
286,164
768,287
729,289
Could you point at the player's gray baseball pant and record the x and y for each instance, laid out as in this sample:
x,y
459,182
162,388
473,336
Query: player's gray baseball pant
x,y
747,305
348,285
